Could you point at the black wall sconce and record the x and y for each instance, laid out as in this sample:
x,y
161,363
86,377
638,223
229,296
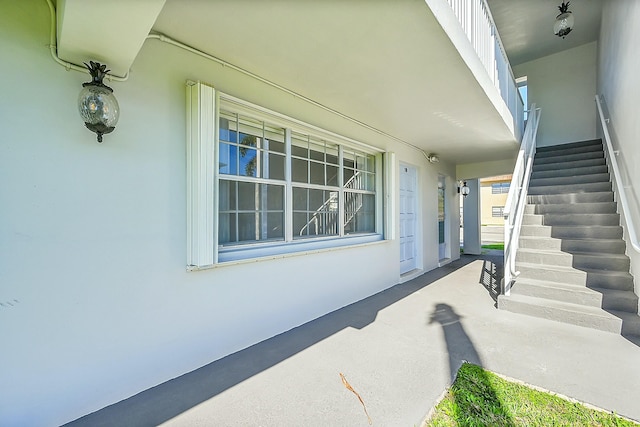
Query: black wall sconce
x,y
464,190
97,105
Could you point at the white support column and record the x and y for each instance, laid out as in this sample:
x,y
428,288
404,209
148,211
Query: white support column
x,y
472,216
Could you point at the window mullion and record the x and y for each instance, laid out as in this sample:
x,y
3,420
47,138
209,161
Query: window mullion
x,y
341,206
288,203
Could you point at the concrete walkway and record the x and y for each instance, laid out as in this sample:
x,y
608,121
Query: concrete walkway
x,y
399,350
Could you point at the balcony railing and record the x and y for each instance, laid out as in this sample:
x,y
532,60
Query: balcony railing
x,y
477,22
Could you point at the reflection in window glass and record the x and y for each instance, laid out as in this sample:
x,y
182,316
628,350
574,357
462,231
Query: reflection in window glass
x,y
250,212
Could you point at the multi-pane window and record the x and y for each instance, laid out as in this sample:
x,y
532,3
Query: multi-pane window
x,y
497,211
314,172
251,191
359,191
331,191
500,188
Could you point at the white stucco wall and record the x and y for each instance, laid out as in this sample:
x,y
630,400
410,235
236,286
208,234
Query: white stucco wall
x,y
564,86
96,302
618,65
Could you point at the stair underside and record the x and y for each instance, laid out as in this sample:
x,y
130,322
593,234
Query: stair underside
x,y
571,262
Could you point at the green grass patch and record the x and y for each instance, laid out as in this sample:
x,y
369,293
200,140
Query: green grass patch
x,y
481,398
494,246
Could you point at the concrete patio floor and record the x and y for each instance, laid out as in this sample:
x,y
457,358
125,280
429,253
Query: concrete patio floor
x,y
399,350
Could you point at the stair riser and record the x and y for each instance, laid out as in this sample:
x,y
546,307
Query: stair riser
x,y
601,262
595,246
569,165
580,198
581,319
572,220
535,231
607,299
576,208
582,297
631,327
559,159
571,277
565,180
607,281
627,302
549,244
591,187
586,232
545,258
563,259
553,173
568,151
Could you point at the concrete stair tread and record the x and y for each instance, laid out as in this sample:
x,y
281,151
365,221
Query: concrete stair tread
x,y
546,283
566,312
595,311
588,142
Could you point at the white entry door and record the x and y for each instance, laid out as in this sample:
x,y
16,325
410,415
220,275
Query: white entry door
x,y
442,241
407,218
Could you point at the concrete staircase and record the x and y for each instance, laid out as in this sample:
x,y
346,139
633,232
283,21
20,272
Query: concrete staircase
x,y
572,257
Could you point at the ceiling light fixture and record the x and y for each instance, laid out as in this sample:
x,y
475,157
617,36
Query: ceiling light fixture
x,y
433,158
564,21
97,106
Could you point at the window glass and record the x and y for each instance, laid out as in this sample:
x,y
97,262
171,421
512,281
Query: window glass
x,y
252,181
250,211
315,212
360,214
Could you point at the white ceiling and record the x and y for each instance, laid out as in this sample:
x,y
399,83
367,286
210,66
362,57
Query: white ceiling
x,y
526,26
388,64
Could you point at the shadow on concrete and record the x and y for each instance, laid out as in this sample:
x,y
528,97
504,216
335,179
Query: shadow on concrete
x,y
472,391
168,400
459,346
492,273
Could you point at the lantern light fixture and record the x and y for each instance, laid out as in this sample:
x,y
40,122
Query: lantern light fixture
x,y
564,21
464,189
97,105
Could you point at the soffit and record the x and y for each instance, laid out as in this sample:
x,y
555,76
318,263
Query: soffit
x,y
526,26
388,64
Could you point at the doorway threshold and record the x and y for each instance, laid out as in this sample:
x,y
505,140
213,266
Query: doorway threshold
x,y
444,261
411,274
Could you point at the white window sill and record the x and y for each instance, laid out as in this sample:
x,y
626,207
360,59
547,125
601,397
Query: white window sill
x,y
244,255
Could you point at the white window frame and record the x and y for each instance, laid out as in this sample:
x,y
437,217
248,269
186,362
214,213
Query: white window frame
x,y
203,251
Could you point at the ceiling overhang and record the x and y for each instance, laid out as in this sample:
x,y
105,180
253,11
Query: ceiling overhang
x,y
110,32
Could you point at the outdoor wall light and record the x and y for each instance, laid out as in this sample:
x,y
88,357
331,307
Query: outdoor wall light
x,y
97,105
464,190
564,21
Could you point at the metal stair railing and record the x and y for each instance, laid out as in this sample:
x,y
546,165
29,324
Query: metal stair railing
x,y
617,178
517,199
477,22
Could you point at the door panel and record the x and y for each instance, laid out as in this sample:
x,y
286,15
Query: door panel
x,y
408,199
